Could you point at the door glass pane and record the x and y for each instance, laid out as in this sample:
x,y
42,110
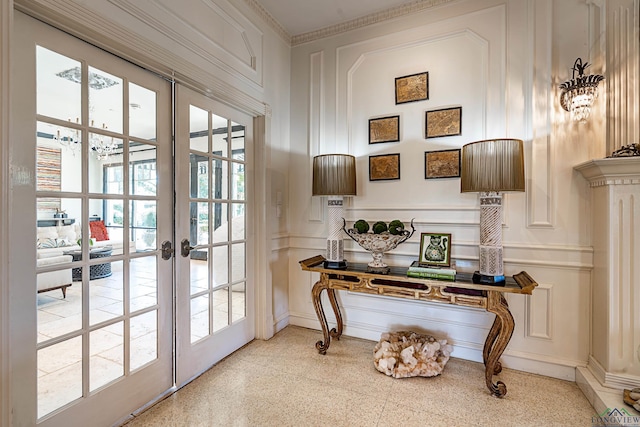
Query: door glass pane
x,y
144,339
219,179
106,288
106,362
237,145
238,301
220,136
142,112
237,181
198,129
237,262
105,100
58,85
106,226
220,255
142,165
58,313
220,222
143,224
220,309
104,149
199,179
238,222
199,317
59,375
199,270
143,283
200,216
113,176
58,148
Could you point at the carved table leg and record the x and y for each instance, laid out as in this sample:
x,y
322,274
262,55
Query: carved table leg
x,y
497,340
335,333
316,292
491,338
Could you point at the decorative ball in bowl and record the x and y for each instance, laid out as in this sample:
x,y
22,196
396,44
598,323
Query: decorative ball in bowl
x,y
378,239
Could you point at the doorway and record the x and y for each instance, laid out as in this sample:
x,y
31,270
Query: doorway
x,y
97,319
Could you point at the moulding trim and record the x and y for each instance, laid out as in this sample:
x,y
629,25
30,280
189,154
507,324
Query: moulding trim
x,y
373,18
269,20
547,333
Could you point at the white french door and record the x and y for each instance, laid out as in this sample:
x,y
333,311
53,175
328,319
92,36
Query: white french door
x,y
214,193
92,305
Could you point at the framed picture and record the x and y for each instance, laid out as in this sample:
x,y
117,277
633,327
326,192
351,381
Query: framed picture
x,y
442,164
384,167
414,87
435,249
444,122
385,129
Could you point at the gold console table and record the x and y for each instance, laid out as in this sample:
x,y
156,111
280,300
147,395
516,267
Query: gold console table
x,y
396,284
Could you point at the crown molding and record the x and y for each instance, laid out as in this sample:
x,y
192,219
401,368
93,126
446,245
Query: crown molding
x,y
374,18
270,20
343,27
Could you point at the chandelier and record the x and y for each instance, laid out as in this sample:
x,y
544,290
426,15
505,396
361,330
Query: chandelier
x,y
579,93
69,138
102,145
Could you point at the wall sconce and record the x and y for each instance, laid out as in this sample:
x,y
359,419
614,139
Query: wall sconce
x,y
490,168
334,175
579,93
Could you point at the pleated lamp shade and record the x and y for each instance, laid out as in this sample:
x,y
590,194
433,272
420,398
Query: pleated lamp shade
x,y
334,175
492,165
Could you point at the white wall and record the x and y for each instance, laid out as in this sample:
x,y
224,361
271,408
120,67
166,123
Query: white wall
x,y
501,61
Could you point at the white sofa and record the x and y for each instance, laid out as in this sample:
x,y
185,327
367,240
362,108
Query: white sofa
x,y
54,241
51,280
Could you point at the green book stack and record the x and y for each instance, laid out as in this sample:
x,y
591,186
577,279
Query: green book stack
x,y
425,272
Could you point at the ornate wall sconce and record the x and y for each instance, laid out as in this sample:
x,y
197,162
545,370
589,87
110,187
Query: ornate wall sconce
x,y
579,93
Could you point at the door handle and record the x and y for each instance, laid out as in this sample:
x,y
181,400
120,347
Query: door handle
x,y
186,248
167,250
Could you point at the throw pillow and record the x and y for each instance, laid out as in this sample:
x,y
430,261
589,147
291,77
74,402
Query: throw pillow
x,y
98,230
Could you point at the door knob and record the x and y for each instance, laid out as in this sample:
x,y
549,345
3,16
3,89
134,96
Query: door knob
x,y
167,250
186,248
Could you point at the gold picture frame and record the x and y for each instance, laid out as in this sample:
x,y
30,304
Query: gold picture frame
x,y
384,129
384,167
443,122
412,88
435,249
442,164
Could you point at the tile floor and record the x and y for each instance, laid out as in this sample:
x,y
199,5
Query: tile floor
x,y
285,382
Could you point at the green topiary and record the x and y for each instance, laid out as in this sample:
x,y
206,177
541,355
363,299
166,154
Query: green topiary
x,y
379,227
361,226
396,227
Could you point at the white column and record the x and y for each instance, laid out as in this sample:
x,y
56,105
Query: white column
x,y
615,293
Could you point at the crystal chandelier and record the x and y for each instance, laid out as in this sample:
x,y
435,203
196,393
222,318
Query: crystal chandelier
x,y
102,145
69,139
579,93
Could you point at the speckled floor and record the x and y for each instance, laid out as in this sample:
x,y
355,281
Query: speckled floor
x,y
285,382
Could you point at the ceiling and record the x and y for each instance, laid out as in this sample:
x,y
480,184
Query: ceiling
x,y
303,16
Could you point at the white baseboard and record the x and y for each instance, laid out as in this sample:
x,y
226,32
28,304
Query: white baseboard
x,y
281,323
526,362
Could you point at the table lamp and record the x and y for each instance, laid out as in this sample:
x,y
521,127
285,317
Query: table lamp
x,y
334,175
492,167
